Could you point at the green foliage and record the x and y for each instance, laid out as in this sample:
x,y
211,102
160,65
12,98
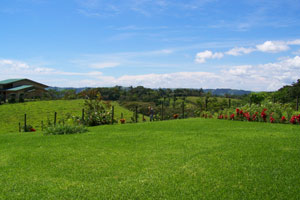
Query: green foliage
x,y
37,111
63,129
257,98
28,128
97,112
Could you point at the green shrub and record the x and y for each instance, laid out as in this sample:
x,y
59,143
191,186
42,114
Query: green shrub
x,y
63,129
97,112
28,128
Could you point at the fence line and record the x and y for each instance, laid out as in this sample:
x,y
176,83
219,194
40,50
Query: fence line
x,y
135,113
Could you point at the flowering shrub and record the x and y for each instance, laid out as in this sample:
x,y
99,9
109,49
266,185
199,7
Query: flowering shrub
x,y
122,121
254,116
175,116
272,120
293,120
96,110
28,128
263,114
270,112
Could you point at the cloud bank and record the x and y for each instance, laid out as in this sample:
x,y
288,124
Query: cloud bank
x,y
266,47
263,77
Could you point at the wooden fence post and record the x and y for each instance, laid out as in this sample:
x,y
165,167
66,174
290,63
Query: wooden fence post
x,y
174,101
182,110
25,123
297,103
162,111
55,115
112,114
136,114
82,114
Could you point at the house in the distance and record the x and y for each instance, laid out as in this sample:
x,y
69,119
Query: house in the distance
x,y
18,89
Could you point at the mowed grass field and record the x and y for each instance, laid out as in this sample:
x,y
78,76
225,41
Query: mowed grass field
x,y
177,159
12,114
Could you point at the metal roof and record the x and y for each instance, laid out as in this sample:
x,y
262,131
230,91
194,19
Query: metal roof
x,y
19,88
8,81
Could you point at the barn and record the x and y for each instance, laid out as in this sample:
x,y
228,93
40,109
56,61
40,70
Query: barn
x,y
19,89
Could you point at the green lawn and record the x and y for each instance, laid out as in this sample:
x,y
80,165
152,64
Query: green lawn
x,y
12,114
178,159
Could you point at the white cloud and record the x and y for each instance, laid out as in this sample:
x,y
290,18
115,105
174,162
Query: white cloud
x,y
272,46
297,52
18,69
267,46
292,62
104,65
294,42
270,76
263,77
237,51
239,70
201,57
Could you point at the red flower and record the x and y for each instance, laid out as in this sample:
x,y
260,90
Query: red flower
x,y
32,130
263,114
232,116
293,120
272,120
237,111
122,121
226,117
298,117
283,119
220,117
254,117
247,115
175,116
241,112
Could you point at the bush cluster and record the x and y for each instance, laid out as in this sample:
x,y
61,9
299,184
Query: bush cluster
x,y
267,112
63,129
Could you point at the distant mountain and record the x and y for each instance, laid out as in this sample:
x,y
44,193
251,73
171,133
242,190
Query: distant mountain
x,y
222,92
67,88
218,91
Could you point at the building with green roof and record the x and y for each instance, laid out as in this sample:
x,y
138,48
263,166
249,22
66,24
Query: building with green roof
x,y
18,89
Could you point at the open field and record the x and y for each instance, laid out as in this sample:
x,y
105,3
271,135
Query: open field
x,y
37,111
177,159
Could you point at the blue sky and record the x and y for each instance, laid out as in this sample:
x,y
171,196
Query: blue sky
x,y
247,44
